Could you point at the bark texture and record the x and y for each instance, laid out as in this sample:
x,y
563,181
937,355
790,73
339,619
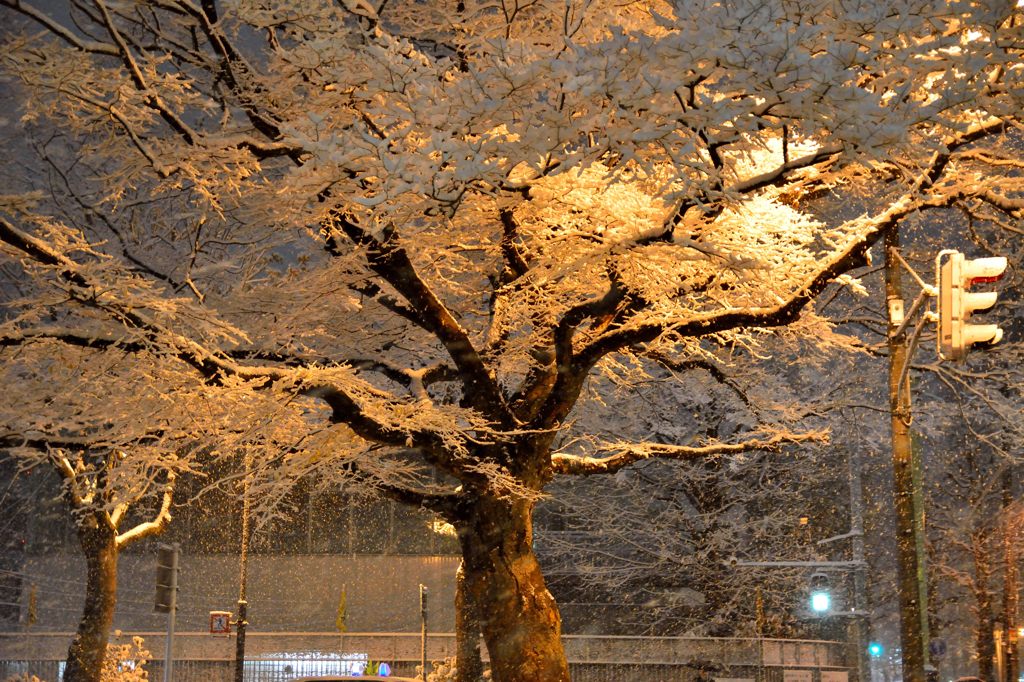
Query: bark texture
x,y
520,620
89,647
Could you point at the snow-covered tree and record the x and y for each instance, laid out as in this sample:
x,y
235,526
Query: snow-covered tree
x,y
423,230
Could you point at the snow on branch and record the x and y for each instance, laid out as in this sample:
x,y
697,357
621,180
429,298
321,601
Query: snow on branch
x,y
862,233
371,412
623,454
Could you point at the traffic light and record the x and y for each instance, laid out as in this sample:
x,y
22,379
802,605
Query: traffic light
x,y
875,650
820,594
166,578
957,303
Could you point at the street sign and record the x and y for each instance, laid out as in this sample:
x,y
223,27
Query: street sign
x,y
220,622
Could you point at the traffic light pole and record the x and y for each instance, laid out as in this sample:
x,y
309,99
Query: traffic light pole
x,y
912,587
172,608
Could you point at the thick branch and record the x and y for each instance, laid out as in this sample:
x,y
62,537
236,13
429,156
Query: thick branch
x,y
68,337
390,303
404,377
1001,201
852,255
230,59
154,100
575,316
515,263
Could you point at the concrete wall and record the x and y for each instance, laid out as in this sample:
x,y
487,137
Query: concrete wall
x,y
285,593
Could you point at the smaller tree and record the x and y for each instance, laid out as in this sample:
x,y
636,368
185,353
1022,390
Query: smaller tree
x,y
118,433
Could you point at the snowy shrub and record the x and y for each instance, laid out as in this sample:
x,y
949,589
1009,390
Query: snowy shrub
x,y
126,662
444,671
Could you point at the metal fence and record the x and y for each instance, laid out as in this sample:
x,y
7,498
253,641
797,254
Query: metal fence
x,y
281,657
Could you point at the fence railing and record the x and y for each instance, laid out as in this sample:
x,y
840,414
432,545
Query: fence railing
x,y
282,656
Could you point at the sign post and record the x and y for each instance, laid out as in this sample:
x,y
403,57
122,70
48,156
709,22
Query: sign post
x,y
423,629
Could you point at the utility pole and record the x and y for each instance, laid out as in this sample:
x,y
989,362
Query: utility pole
x,y
906,465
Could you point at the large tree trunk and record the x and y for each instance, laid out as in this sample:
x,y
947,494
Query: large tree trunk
x,y
469,666
89,647
519,618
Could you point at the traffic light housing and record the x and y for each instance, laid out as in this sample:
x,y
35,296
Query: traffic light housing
x,y
166,578
820,594
957,303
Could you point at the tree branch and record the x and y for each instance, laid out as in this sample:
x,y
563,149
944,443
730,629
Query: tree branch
x,y
627,453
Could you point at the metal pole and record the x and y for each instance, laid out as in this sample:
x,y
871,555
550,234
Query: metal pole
x,y
169,644
243,561
759,631
859,623
423,629
906,484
